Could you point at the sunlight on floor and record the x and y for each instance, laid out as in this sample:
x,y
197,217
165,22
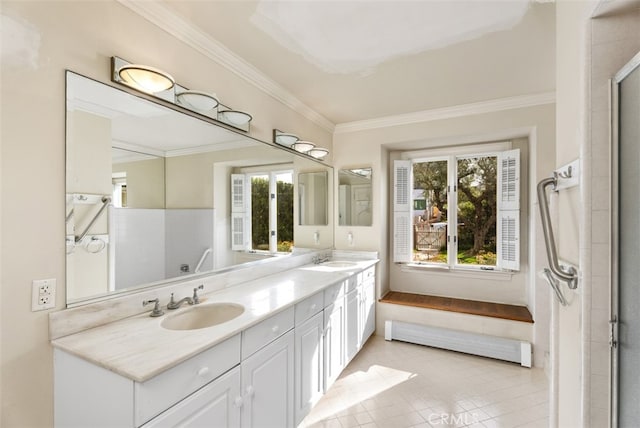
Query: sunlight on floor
x,y
395,385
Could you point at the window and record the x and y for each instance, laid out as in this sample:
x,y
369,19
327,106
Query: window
x,y
262,211
458,211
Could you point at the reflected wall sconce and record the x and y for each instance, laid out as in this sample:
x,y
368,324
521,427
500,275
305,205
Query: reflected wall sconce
x,y
293,142
159,84
303,146
284,139
234,117
318,152
197,100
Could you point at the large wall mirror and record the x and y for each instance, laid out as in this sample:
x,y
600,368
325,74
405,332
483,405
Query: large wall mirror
x,y
354,197
155,194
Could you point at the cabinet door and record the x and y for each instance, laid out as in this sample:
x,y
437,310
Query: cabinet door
x,y
352,324
309,365
215,405
267,385
368,313
333,342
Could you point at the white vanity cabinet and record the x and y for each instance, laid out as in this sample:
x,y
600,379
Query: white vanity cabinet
x,y
216,405
334,331
269,375
309,358
267,372
367,305
87,395
267,385
353,322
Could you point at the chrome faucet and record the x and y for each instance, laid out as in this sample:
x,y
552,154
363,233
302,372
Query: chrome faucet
x,y
175,305
195,297
156,312
320,259
190,300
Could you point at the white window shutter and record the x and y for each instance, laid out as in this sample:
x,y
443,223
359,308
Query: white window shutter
x,y
509,210
401,185
401,237
238,199
509,180
239,231
509,240
402,211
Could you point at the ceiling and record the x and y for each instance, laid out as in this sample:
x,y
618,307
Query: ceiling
x,y
355,60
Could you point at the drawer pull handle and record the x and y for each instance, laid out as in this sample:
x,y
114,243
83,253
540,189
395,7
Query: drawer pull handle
x,y
238,401
275,329
250,391
203,372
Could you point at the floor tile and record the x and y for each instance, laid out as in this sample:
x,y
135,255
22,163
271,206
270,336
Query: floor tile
x,y
396,385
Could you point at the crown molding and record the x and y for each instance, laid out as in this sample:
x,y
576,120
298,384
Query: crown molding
x,y
184,31
482,107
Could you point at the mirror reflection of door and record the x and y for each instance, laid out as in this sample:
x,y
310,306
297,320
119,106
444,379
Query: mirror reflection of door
x,y
312,198
354,197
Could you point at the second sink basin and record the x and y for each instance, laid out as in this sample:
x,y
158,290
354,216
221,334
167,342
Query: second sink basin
x,y
338,264
202,316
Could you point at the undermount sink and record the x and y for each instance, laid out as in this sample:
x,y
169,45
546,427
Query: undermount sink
x,y
202,316
338,264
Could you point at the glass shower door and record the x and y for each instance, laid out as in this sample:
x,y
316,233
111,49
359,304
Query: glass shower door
x,y
626,310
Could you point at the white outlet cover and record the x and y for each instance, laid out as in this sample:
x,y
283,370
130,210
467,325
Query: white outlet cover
x,y
48,296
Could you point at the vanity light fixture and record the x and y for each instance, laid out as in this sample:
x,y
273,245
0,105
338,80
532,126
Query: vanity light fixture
x,y
234,117
318,152
161,85
197,100
303,146
145,78
286,140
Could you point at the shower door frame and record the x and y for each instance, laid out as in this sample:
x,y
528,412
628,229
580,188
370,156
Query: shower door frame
x,y
625,71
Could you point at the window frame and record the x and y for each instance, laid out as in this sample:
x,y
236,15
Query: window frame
x,y
452,155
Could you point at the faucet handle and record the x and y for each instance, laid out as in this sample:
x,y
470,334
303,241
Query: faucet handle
x,y
195,297
156,312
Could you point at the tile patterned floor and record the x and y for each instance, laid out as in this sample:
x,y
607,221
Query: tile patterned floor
x,y
396,385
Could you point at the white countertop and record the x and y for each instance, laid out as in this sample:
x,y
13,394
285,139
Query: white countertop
x,y
139,348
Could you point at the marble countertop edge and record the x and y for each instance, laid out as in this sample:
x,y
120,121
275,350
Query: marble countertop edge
x,y
139,348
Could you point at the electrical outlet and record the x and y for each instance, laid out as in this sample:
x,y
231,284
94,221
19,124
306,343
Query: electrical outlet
x,y
43,294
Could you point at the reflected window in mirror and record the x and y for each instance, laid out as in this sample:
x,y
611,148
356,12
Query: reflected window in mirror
x,y
312,198
354,197
262,203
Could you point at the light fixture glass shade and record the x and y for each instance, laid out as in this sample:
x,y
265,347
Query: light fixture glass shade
x,y
235,117
302,146
197,100
318,152
286,139
145,78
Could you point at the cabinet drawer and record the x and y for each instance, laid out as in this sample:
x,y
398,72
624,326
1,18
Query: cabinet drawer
x,y
366,274
163,391
351,284
309,307
332,293
261,334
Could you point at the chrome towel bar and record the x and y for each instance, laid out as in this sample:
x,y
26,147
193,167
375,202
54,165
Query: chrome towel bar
x,y
105,203
565,273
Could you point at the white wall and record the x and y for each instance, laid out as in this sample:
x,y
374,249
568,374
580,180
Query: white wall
x,y
80,36
371,148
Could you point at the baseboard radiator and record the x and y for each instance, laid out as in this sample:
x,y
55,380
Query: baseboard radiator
x,y
513,350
